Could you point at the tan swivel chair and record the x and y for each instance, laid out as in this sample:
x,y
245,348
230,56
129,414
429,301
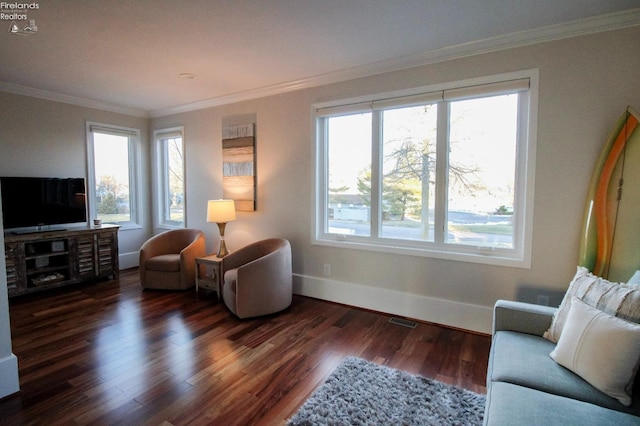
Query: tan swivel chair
x,y
167,260
258,278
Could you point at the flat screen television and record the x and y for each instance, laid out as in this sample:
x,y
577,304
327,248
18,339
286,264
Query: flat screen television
x,y
42,201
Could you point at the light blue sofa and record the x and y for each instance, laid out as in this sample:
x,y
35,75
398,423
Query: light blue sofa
x,y
526,387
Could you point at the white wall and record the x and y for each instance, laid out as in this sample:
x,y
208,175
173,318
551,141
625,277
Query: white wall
x,y
585,85
46,138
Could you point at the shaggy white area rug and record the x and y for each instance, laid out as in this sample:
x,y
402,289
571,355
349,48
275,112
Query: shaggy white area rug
x,y
360,392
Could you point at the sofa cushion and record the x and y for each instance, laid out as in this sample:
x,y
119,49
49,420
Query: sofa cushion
x,y
579,349
613,298
513,405
523,359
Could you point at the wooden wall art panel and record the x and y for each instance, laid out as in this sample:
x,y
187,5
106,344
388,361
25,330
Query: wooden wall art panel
x,y
239,166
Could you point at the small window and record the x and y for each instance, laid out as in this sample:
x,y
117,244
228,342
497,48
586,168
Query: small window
x,y
113,170
444,173
170,182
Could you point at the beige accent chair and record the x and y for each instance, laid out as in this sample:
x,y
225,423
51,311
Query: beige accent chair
x,y
167,260
258,278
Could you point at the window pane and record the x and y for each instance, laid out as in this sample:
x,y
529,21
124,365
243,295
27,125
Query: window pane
x,y
349,175
408,183
174,192
111,160
482,158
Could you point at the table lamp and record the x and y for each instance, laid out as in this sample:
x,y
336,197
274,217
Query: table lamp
x,y
221,212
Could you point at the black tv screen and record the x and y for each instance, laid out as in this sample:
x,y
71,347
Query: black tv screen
x,y
35,201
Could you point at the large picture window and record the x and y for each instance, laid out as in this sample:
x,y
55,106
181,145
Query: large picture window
x,y
170,183
113,180
442,172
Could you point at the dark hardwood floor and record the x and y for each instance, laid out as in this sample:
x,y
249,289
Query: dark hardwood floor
x,y
110,353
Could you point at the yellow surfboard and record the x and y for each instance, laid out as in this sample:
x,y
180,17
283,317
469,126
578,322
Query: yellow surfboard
x,y
610,241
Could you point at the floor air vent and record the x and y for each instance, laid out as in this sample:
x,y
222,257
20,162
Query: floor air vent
x,y
403,322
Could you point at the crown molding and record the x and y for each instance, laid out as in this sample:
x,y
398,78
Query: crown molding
x,y
72,100
608,22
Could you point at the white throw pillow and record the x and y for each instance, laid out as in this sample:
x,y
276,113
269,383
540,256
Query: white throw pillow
x,y
600,348
610,297
634,281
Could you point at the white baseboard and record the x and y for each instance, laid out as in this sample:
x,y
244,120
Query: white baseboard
x,y
129,260
10,383
440,311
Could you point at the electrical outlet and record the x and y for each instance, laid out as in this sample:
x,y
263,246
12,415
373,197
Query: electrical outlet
x,y
326,270
543,300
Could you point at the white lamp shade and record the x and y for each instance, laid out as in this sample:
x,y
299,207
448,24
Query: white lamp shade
x,y
221,211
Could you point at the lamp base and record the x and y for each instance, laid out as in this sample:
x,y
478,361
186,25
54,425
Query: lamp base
x,y
222,251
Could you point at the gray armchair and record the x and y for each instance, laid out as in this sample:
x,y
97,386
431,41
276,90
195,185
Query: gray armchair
x,y
258,278
167,260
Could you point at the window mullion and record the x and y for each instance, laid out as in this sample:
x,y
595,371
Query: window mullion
x,y
442,166
376,173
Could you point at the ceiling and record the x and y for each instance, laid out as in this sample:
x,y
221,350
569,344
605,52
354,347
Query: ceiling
x,y
128,55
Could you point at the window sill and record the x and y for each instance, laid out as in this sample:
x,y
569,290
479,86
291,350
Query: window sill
x,y
486,256
128,226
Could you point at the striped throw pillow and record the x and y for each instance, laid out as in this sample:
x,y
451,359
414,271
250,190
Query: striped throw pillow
x,y
612,298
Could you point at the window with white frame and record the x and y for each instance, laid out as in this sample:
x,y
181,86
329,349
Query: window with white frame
x,y
170,183
113,173
443,172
